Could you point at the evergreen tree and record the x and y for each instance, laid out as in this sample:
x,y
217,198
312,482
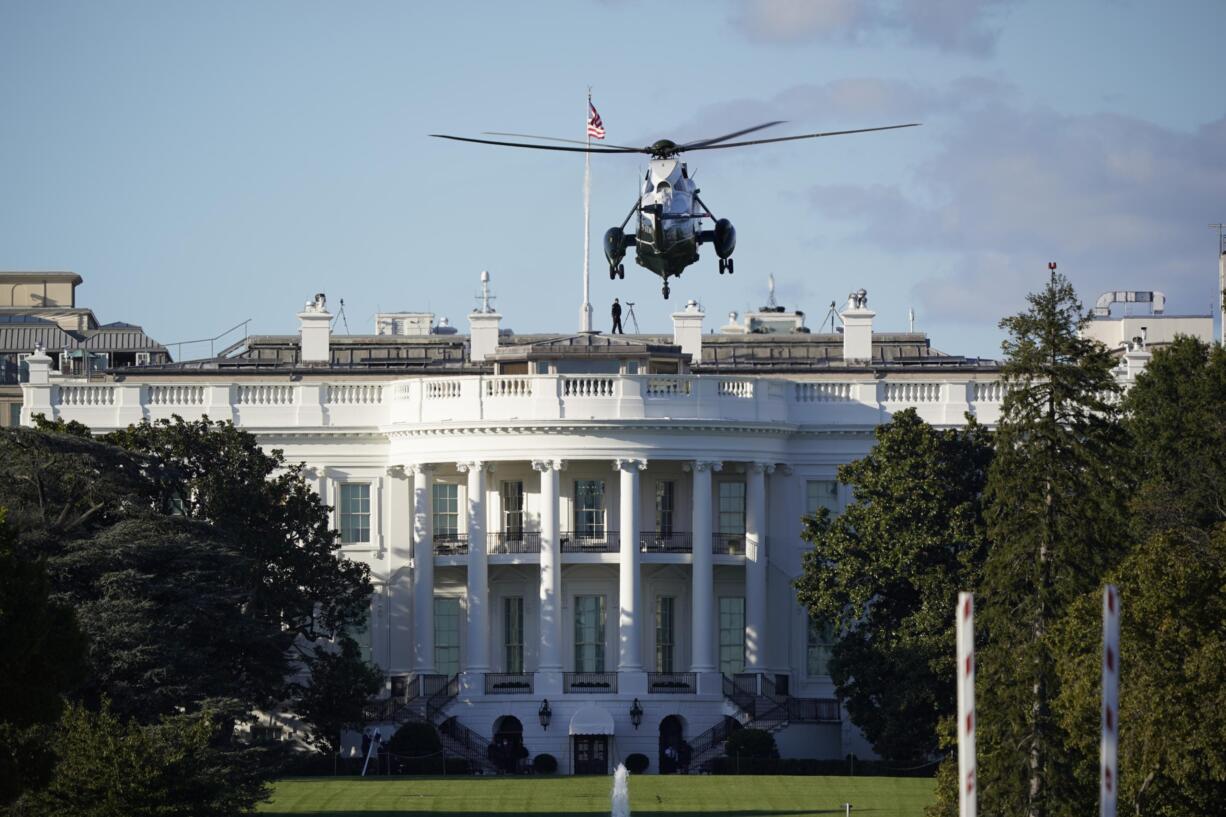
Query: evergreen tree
x,y
886,574
1057,491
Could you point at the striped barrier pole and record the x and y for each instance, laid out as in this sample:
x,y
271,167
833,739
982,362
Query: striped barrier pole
x,y
1109,778
965,618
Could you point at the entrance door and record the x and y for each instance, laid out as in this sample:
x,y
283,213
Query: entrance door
x,y
591,754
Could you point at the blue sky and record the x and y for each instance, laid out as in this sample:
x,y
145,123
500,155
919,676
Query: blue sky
x,y
204,163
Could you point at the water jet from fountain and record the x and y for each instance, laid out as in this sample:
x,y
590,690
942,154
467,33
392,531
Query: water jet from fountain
x,y
621,792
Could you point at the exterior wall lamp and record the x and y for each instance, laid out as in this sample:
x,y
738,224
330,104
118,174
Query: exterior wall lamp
x,y
636,713
544,713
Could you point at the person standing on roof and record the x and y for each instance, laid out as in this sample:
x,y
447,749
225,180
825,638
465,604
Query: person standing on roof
x,y
617,318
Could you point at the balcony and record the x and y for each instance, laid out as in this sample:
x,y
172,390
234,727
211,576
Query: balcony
x,y
450,544
728,544
590,542
508,683
510,542
684,683
665,542
594,682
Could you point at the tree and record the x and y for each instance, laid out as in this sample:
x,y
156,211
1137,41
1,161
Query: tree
x,y
334,700
111,768
42,656
886,574
1056,493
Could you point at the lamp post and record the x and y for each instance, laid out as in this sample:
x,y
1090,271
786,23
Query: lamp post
x,y
636,713
544,713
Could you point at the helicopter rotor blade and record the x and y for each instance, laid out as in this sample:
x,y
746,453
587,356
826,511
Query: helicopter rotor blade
x,y
733,135
552,139
537,147
802,136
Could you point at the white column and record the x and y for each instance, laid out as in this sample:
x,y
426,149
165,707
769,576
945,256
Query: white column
x,y
702,617
399,571
478,571
550,656
965,640
629,626
755,566
423,570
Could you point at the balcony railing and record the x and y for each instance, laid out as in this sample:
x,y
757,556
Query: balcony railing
x,y
598,682
590,542
813,710
523,541
662,542
508,683
729,544
672,682
450,544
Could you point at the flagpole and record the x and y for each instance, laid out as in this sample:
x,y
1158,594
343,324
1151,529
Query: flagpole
x,y
585,311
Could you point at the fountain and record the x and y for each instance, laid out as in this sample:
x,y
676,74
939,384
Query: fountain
x,y
621,792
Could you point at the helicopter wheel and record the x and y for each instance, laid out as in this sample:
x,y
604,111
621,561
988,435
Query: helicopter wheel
x,y
612,273
666,292
722,266
621,271
729,265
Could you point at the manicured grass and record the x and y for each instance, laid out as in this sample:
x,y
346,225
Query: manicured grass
x,y
756,796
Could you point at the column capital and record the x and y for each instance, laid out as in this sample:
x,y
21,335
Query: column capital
x,y
474,465
312,472
703,465
549,465
784,469
421,468
629,465
397,471
761,467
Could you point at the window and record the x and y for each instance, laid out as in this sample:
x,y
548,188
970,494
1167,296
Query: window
x,y
446,511
665,491
821,493
447,636
513,632
589,633
819,645
355,512
731,635
664,633
513,509
589,508
14,414
732,508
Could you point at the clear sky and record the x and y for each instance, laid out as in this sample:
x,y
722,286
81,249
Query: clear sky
x,y
204,163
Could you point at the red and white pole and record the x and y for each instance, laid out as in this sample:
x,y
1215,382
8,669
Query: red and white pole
x,y
965,617
1109,777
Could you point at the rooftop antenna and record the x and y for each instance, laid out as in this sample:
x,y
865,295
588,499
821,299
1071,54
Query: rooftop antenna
x,y
344,319
770,288
831,314
631,318
485,297
911,319
1221,277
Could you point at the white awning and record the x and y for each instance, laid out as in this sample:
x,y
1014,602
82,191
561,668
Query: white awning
x,y
591,720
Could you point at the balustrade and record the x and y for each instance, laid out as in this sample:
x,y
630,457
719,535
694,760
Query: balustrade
x,y
589,682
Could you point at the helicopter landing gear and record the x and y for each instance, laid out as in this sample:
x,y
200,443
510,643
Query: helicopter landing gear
x,y
728,265
722,266
666,291
617,272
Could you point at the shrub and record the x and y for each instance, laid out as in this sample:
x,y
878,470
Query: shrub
x,y
637,763
544,764
415,738
751,743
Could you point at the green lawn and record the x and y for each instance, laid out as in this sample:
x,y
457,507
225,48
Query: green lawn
x,y
558,796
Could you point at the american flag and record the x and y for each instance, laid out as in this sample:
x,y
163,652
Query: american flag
x,y
595,127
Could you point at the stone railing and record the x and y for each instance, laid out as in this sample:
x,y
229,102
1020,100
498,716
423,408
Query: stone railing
x,y
434,401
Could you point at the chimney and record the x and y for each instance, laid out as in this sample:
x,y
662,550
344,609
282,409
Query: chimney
x,y
687,330
483,323
315,330
857,329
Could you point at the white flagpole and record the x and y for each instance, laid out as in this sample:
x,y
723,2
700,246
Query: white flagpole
x,y
585,311
965,617
1109,779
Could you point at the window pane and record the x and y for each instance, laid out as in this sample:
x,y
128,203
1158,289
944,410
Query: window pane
x,y
355,512
446,501
664,634
665,490
589,508
821,493
447,635
589,633
731,635
513,507
817,653
732,508
513,632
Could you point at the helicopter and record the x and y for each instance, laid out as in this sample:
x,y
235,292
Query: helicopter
x,y
670,214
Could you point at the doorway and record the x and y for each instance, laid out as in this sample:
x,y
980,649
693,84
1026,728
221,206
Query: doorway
x,y
673,750
507,752
591,754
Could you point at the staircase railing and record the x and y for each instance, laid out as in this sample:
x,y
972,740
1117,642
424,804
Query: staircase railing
x,y
437,702
470,745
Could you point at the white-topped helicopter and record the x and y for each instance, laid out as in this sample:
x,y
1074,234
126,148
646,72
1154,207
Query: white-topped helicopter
x,y
669,227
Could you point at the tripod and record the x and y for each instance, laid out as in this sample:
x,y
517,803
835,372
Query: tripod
x,y
630,318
